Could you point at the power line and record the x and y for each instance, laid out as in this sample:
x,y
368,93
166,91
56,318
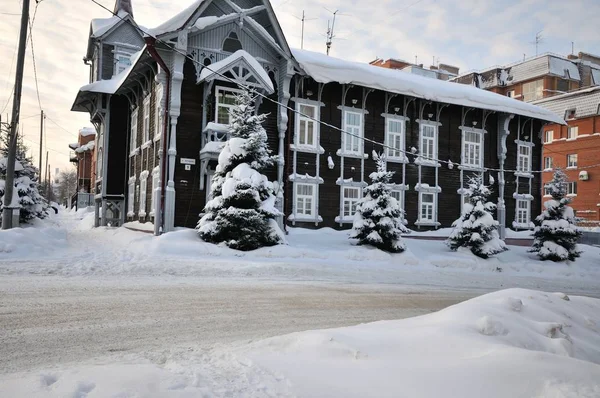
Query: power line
x,y
31,22
60,127
364,139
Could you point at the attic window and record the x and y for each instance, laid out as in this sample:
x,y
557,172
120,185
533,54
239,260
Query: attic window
x,y
570,114
232,43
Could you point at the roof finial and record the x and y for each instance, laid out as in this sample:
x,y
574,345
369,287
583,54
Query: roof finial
x,y
123,5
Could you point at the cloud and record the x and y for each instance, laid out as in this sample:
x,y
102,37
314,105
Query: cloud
x,y
471,34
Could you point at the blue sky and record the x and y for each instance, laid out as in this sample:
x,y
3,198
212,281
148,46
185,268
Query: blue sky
x,y
471,34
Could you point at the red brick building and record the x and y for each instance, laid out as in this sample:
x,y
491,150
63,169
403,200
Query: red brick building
x,y
83,154
576,147
440,71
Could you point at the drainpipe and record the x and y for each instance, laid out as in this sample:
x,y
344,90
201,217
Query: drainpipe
x,y
151,46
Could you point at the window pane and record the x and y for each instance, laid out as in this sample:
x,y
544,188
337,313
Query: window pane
x,y
427,198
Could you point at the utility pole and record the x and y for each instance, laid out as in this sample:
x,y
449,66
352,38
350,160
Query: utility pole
x,y
46,173
303,19
7,214
330,34
41,141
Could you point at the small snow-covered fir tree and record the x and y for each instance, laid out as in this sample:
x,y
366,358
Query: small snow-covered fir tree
x,y
27,187
556,234
378,217
476,228
242,210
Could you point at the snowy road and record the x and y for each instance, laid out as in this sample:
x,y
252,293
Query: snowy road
x,y
46,321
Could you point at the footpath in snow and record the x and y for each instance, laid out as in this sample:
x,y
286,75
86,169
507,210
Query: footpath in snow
x,y
511,343
67,245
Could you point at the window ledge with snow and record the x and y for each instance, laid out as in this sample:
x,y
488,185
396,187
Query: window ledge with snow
x,y
305,178
522,196
428,122
523,174
426,162
470,167
520,225
427,223
156,138
572,195
307,148
307,101
146,144
142,214
350,182
130,214
524,143
357,155
571,168
427,188
397,159
301,218
546,170
353,109
344,220
135,152
399,187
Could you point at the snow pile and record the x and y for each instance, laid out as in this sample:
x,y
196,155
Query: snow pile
x,y
32,241
87,131
86,147
511,343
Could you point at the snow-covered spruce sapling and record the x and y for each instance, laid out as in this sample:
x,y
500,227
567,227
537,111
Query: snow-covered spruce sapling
x,y
476,228
242,210
378,217
27,186
556,233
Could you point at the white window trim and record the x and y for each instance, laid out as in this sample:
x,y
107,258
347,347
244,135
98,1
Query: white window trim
x,y
346,136
131,196
571,128
146,120
342,218
155,182
518,223
224,89
479,164
402,195
158,116
428,222
143,193
431,159
313,208
546,166
121,50
133,131
522,144
548,133
574,185
402,158
316,126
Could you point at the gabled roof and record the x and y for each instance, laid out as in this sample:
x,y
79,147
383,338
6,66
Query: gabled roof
x,y
325,69
178,21
585,102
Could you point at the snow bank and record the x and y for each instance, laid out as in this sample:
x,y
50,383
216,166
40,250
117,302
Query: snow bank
x,y
505,344
32,241
511,343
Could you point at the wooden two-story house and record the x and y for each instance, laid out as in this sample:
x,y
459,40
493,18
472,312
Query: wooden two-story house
x,y
165,120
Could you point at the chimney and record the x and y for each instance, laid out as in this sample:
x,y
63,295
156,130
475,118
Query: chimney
x,y
572,56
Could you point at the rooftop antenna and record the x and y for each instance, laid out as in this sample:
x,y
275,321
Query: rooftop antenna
x,y
538,40
572,48
330,30
303,19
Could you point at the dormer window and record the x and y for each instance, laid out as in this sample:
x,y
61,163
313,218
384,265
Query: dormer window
x,y
122,59
232,43
570,114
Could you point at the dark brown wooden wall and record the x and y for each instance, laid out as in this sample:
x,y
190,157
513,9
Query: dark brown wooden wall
x,y
117,146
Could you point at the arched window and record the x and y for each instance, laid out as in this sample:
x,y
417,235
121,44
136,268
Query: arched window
x,y
232,43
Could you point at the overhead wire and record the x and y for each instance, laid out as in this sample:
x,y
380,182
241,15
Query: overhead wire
x,y
364,139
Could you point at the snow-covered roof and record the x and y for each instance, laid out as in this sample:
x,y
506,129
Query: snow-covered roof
x,y
87,147
178,21
213,147
100,26
222,66
585,102
325,69
87,131
218,127
110,86
74,145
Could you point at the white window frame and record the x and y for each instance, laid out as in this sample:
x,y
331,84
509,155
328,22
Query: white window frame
x,y
572,132
400,198
524,160
547,162
158,116
143,193
122,59
533,90
300,201
548,136
510,93
464,199
146,120
572,188
352,202
395,140
523,215
433,205
302,120
155,184
570,163
356,130
424,154
472,152
131,197
134,129
218,105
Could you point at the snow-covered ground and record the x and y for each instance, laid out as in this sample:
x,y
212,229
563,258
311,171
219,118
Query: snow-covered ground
x,y
511,343
67,245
